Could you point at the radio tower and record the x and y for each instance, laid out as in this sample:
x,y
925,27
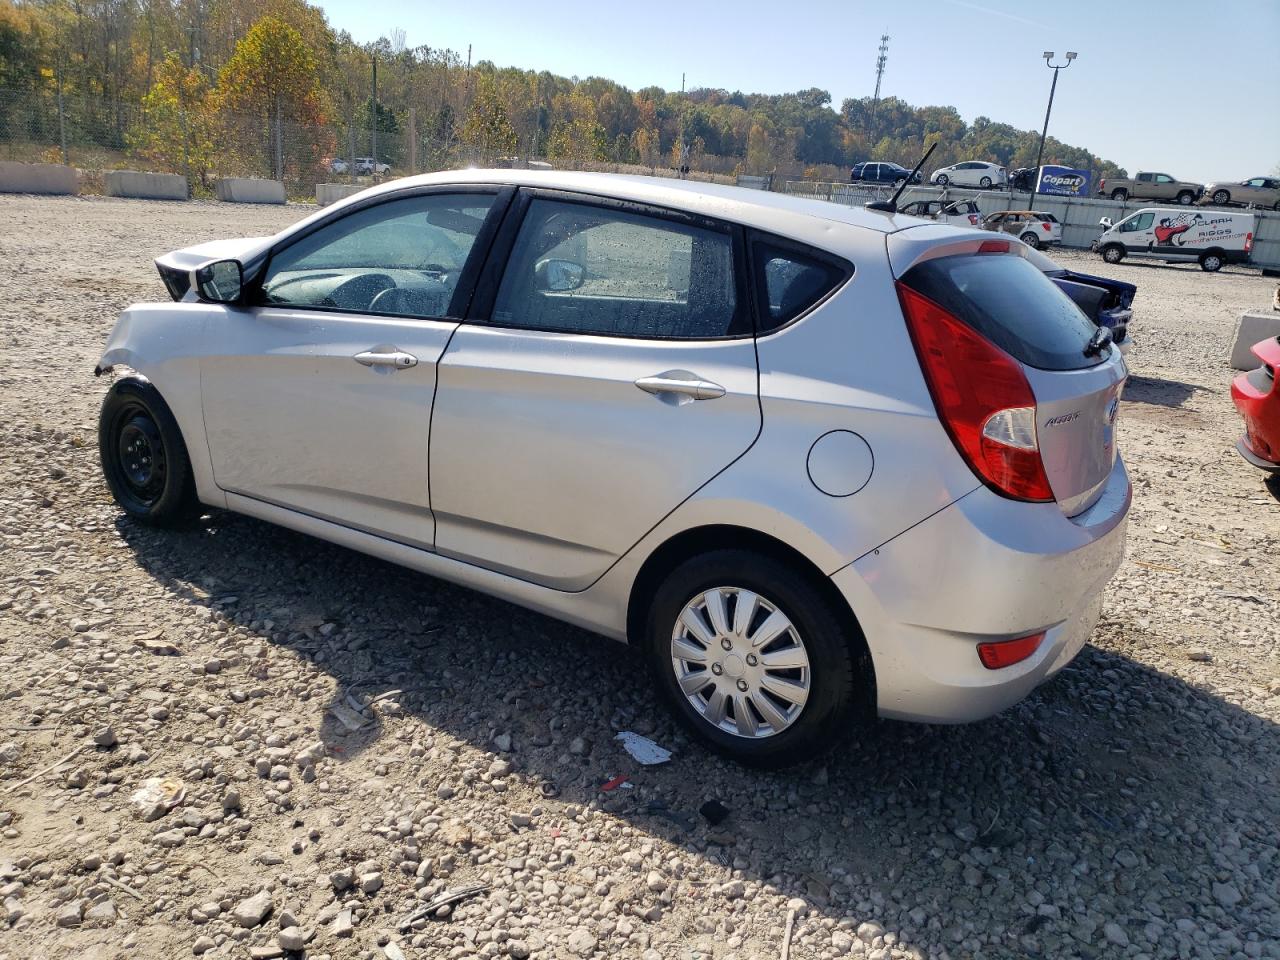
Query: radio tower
x,y
875,101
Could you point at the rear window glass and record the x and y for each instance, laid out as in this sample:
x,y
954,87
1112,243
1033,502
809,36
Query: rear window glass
x,y
792,281
1012,304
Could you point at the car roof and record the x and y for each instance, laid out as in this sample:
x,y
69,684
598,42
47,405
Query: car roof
x,y
775,212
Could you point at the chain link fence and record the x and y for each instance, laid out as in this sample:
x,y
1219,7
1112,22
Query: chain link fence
x,y
96,136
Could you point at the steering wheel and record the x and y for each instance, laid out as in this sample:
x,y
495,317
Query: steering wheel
x,y
358,293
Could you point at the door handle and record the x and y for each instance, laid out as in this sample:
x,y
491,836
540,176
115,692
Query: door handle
x,y
680,383
395,359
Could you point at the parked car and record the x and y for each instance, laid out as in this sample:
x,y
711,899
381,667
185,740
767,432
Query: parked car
x,y
1210,238
871,172
336,165
1151,186
798,518
1259,191
971,173
1256,397
366,166
958,213
1108,303
1033,227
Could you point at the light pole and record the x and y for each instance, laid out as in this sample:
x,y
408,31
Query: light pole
x,y
1035,174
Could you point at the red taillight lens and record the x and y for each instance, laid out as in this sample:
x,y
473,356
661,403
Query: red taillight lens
x,y
982,397
1005,653
1045,227
1248,242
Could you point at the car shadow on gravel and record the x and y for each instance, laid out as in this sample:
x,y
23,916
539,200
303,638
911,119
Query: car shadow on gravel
x,y
1158,392
1108,796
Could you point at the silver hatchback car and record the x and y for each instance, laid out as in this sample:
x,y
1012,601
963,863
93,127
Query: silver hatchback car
x,y
816,462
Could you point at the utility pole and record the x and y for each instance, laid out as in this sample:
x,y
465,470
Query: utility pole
x,y
1035,174
875,100
374,117
682,83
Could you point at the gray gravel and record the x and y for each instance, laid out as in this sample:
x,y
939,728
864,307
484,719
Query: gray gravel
x,y
269,743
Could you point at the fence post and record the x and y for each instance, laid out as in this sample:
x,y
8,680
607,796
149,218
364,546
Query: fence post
x,y
62,122
279,144
413,139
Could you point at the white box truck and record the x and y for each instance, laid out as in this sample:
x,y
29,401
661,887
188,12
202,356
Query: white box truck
x,y
1208,237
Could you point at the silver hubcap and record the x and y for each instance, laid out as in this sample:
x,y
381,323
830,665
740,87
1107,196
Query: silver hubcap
x,y
740,662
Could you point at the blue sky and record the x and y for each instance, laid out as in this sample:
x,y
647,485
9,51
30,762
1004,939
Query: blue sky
x,y
1185,88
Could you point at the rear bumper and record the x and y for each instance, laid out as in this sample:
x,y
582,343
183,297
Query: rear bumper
x,y
1257,398
1243,448
984,568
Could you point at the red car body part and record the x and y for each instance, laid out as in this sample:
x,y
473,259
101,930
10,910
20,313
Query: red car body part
x,y
1257,398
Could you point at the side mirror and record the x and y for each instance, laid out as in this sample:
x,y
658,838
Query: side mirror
x,y
1105,222
559,276
219,282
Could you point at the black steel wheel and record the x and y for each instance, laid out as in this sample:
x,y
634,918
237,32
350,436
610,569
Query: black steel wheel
x,y
144,459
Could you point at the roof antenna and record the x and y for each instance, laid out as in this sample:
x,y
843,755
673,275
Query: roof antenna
x,y
891,206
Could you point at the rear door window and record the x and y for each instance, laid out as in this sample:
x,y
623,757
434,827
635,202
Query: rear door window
x,y
1012,304
792,280
581,268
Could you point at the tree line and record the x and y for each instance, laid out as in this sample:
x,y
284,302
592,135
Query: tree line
x,y
204,85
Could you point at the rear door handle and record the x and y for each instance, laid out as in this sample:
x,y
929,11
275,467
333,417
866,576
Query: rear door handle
x,y
395,359
681,383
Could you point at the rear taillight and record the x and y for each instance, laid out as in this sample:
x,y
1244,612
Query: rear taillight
x,y
1102,183
1248,242
1045,227
982,398
1005,653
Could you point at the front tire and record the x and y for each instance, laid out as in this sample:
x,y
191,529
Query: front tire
x,y
143,456
1186,198
753,660
942,179
1113,253
1031,240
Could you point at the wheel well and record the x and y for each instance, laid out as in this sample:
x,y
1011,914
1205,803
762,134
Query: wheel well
x,y
1214,251
690,543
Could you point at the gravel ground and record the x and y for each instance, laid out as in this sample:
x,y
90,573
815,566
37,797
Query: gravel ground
x,y
178,775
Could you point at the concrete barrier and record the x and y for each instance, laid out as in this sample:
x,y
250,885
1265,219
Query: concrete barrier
x,y
18,177
1253,327
249,190
327,193
146,186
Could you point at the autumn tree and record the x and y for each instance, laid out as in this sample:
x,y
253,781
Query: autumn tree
x,y
177,131
576,136
487,128
272,82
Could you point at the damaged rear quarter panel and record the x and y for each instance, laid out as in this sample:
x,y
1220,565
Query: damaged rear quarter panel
x,y
163,343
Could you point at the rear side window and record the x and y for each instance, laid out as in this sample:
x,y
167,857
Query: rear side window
x,y
1012,304
791,281
579,268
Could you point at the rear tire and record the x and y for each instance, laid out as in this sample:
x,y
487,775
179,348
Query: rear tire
x,y
1121,195
1211,262
1186,198
985,183
837,677
144,458
1031,240
1223,197
1113,253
